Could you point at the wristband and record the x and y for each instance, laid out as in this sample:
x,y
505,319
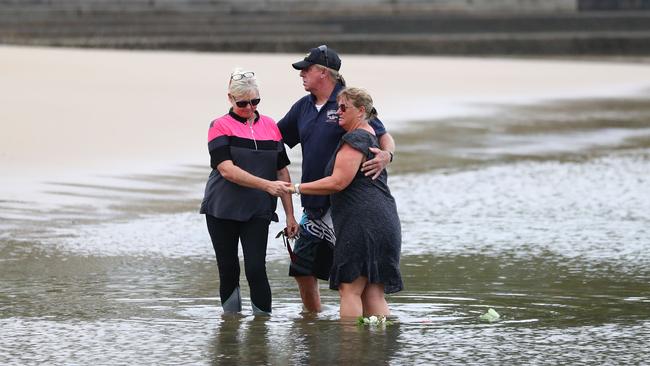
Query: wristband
x,y
296,188
391,156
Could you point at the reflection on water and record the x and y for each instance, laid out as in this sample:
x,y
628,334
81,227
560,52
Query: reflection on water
x,y
559,131
112,310
540,212
302,341
595,210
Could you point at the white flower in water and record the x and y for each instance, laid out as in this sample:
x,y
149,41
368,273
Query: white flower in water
x,y
490,316
373,320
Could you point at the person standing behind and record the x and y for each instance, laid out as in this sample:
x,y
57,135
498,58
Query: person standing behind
x,y
312,122
367,227
249,167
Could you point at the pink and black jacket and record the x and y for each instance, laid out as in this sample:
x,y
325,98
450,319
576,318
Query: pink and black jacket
x,y
257,149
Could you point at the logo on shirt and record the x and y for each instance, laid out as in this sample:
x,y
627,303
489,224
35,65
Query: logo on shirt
x,y
332,117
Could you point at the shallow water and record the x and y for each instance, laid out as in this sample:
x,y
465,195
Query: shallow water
x,y
541,212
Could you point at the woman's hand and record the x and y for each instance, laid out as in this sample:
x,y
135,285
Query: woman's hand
x,y
375,165
292,226
278,188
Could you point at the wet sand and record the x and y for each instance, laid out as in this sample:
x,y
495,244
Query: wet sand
x,y
70,113
521,185
88,133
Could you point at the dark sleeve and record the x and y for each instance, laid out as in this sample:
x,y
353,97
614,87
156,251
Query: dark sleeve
x,y
219,148
283,159
359,140
288,126
378,126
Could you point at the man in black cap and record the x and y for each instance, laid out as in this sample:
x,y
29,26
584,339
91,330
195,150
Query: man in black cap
x,y
312,122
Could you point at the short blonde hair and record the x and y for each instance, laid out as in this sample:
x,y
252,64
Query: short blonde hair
x,y
359,98
244,86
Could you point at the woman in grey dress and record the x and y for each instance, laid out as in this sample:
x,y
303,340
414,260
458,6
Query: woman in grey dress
x,y
367,228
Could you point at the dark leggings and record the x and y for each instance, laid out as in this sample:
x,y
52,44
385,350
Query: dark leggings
x,y
225,235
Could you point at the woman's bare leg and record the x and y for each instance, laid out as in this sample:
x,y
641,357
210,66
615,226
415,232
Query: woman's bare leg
x,y
373,300
351,304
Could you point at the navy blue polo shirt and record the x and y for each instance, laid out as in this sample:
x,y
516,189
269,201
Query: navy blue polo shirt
x,y
318,133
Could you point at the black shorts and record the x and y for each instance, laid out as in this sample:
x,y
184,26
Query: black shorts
x,y
313,257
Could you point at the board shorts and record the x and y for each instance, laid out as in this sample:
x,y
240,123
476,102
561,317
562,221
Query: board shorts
x,y
314,247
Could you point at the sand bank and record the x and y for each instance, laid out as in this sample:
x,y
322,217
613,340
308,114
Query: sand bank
x,y
84,112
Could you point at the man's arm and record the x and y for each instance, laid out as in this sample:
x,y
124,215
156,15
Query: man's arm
x,y
287,204
383,156
288,126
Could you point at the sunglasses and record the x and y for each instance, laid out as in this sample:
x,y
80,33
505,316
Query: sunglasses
x,y
244,103
343,107
323,49
247,74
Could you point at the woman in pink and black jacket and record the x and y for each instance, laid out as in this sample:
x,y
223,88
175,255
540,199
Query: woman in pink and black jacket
x,y
249,171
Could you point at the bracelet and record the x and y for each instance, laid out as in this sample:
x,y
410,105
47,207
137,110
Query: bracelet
x,y
391,156
296,188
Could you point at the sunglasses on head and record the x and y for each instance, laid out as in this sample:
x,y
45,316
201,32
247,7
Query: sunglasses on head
x,y
244,103
323,49
247,74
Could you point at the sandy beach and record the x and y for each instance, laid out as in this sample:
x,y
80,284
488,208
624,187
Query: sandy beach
x,y
69,113
521,186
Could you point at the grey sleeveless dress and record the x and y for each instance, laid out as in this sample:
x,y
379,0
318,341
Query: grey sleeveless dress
x,y
368,231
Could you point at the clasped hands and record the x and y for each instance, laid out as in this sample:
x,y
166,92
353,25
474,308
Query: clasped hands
x,y
372,167
279,188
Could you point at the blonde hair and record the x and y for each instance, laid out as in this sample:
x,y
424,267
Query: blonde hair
x,y
359,98
244,86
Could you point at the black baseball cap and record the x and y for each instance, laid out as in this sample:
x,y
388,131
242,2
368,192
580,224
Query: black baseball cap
x,y
321,55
